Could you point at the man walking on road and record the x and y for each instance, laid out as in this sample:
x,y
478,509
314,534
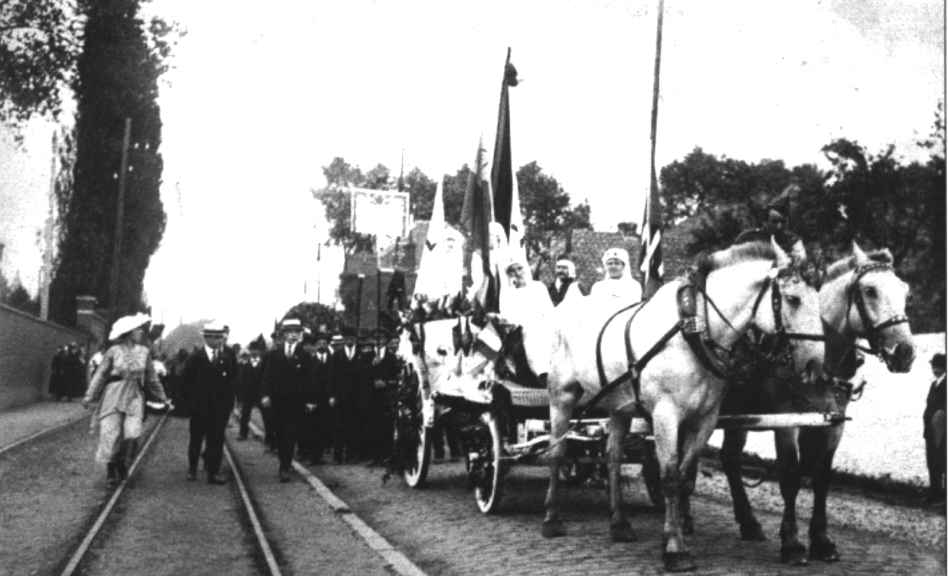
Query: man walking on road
x,y
288,389
209,379
250,386
934,421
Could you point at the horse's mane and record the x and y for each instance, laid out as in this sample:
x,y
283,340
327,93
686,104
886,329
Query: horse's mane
x,y
848,263
735,255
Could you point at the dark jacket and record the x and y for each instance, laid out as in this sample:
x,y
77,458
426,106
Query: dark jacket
x,y
347,376
936,401
209,387
288,381
557,295
386,369
250,382
322,378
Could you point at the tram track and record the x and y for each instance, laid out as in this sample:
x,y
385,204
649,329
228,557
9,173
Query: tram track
x,y
182,511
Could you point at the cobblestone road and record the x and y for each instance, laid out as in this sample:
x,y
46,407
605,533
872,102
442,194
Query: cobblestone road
x,y
442,531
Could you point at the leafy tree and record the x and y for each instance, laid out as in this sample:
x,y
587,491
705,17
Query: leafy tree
x,y
337,203
19,298
454,189
421,191
872,198
39,44
117,78
547,213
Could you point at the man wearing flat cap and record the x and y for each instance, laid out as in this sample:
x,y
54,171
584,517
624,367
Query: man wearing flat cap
x,y
934,432
209,384
288,390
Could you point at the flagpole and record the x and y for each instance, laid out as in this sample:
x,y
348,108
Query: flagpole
x,y
651,283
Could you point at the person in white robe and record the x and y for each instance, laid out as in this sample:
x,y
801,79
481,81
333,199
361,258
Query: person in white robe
x,y
618,288
526,302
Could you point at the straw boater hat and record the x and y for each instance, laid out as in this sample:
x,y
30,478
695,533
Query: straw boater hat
x,y
214,328
291,325
126,324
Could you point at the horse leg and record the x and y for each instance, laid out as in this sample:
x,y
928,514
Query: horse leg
x,y
619,528
826,441
562,403
665,424
792,551
691,442
687,489
731,450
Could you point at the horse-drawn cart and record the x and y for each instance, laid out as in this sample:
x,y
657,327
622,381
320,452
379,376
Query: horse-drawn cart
x,y
502,423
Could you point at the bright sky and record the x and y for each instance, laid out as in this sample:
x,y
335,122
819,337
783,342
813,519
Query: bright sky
x,y
261,99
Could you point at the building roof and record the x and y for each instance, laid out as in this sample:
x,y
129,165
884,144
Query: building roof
x,y
587,246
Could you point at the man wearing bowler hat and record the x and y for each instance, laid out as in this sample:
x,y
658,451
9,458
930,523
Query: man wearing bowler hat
x,y
288,390
934,431
210,380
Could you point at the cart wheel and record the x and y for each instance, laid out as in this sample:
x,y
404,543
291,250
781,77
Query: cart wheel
x,y
652,476
489,470
415,470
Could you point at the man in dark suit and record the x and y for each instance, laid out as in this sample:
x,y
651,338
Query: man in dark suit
x,y
385,369
209,381
934,433
318,429
343,393
287,389
564,282
250,386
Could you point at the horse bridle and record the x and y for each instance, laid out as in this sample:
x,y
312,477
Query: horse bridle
x,y
871,330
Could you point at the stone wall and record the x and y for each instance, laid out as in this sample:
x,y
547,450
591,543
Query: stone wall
x,y
27,345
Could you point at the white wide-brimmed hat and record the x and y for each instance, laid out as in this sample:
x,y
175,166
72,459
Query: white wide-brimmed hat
x,y
126,324
291,325
214,328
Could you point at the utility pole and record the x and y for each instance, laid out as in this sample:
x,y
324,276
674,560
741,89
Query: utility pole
x,y
119,217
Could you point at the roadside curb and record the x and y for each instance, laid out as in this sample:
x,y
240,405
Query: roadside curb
x,y
399,563
41,433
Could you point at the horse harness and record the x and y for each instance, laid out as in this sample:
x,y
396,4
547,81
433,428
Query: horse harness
x,y
696,334
855,297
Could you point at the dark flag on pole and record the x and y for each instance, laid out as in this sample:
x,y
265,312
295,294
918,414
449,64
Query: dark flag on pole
x,y
476,216
501,171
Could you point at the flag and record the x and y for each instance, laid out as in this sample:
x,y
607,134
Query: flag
x,y
501,172
476,216
503,181
651,254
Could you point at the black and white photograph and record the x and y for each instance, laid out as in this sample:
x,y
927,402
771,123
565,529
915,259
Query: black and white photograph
x,y
376,287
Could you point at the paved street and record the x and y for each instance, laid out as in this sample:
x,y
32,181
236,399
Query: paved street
x,y
164,524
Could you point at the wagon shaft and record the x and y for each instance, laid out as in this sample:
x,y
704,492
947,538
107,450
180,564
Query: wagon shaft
x,y
772,421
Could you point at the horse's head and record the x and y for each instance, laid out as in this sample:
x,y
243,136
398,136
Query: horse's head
x,y
864,298
788,310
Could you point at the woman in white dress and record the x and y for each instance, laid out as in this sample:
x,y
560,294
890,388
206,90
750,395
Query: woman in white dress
x,y
618,288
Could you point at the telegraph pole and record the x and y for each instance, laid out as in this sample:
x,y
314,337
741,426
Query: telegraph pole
x,y
119,217
47,271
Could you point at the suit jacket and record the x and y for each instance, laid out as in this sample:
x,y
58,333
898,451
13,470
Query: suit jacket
x,y
209,387
322,378
347,376
557,295
288,381
386,369
250,382
936,401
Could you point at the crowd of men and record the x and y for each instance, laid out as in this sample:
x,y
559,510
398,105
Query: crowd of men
x,y
319,397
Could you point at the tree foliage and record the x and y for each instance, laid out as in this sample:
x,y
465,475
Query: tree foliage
x,y
546,207
117,78
39,45
875,199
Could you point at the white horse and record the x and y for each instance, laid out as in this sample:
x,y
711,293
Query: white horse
x,y
675,388
861,297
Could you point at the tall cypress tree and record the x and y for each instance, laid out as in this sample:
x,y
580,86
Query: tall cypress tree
x,y
117,78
